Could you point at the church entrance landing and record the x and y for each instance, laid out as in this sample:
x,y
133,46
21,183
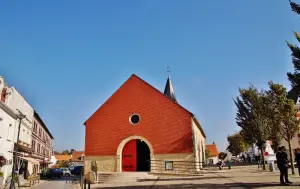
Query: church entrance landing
x,y
136,156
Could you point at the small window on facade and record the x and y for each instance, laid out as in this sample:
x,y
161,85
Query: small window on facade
x,y
134,119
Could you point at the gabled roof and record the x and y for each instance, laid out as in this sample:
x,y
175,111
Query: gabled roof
x,y
136,77
169,90
76,155
212,149
172,101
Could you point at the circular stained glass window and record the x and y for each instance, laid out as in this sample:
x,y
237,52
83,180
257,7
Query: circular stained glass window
x,y
134,119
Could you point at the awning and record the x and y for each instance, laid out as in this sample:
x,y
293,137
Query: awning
x,y
31,160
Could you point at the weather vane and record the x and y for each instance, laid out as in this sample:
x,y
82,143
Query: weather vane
x,y
168,69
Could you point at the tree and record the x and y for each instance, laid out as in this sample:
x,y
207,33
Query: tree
x,y
237,144
222,155
63,164
65,152
71,151
276,97
57,153
290,126
295,76
252,118
207,154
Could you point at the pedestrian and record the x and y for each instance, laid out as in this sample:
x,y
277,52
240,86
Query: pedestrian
x,y
249,158
258,161
297,159
282,163
244,158
228,159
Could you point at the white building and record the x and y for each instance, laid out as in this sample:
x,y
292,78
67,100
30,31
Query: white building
x,y
16,102
213,154
53,160
7,131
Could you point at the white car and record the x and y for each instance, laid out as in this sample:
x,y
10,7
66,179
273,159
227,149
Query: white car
x,y
66,172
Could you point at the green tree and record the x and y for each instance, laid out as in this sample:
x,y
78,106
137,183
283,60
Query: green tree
x,y
295,76
251,116
207,154
237,144
65,152
222,155
276,97
63,164
71,151
290,126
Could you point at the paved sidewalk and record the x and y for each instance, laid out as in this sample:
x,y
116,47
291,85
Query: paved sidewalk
x,y
237,178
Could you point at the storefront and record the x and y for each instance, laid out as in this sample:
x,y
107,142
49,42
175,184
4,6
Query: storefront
x,y
5,167
28,166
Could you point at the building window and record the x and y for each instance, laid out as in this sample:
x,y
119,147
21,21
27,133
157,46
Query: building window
x,y
40,132
134,119
34,127
33,145
9,134
38,148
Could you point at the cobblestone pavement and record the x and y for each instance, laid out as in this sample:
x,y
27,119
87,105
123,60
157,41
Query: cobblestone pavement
x,y
248,177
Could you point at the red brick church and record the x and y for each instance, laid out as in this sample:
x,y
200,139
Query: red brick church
x,y
140,128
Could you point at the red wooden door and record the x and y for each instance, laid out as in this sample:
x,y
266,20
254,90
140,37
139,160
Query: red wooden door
x,y
129,157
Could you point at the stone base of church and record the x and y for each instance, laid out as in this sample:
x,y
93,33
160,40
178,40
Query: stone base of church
x,y
177,163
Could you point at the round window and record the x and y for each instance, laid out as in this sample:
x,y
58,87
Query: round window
x,y
135,119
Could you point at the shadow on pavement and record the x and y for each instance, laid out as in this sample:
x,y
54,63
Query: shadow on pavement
x,y
186,179
202,186
67,179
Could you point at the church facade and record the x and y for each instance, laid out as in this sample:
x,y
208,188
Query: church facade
x,y
140,128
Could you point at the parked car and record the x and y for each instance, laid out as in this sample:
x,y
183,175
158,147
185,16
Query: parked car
x,y
66,171
71,167
77,170
54,173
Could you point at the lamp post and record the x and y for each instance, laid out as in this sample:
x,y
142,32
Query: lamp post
x,y
12,182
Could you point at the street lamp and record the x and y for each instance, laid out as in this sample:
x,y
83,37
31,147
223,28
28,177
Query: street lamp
x,y
12,182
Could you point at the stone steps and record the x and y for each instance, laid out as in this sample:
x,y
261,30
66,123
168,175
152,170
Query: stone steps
x,y
124,177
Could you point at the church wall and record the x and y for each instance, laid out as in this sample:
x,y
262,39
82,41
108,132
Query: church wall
x,y
104,163
162,122
199,145
166,125
182,163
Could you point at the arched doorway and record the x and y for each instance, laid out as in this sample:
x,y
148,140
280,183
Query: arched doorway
x,y
136,156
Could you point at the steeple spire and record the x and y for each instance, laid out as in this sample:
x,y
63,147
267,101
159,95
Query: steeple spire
x,y
169,90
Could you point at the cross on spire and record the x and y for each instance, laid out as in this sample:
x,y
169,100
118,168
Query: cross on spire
x,y
168,69
169,90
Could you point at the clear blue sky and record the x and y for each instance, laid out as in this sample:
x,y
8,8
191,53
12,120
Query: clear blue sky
x,y
68,57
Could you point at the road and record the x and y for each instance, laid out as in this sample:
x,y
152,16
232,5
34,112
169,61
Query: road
x,y
53,184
